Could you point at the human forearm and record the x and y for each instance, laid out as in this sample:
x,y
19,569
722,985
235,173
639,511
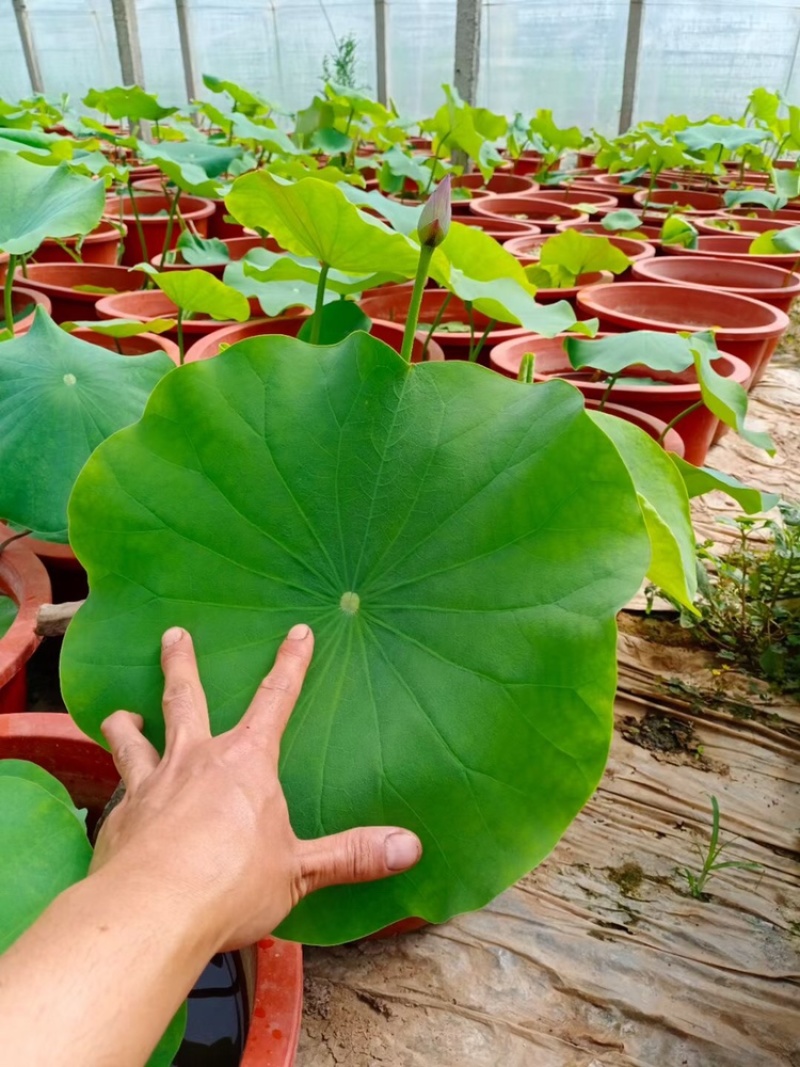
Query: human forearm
x,y
102,972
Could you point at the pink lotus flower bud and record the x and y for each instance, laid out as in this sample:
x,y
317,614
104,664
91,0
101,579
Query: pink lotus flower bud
x,y
434,222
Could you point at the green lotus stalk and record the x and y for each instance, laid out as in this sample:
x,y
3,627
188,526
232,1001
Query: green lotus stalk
x,y
316,324
8,307
173,207
434,224
673,422
179,330
526,368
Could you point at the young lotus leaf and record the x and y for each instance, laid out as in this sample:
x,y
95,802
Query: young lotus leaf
x,y
198,292
59,398
429,522
273,296
202,251
43,850
700,480
268,137
120,327
38,202
314,218
648,348
777,242
761,197
243,99
716,135
193,168
337,321
786,182
665,507
32,772
677,230
130,103
621,221
564,257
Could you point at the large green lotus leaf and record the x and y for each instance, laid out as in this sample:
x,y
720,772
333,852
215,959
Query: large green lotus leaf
x,y
665,507
430,522
38,202
713,134
43,850
212,160
265,266
700,480
648,348
726,398
314,218
59,398
127,102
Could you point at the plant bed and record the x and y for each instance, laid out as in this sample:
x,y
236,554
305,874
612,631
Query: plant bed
x,y
62,284
744,327
546,214
272,970
392,305
759,281
101,245
24,587
392,333
153,210
662,402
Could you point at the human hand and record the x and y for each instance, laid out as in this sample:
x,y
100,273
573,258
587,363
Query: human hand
x,y
210,820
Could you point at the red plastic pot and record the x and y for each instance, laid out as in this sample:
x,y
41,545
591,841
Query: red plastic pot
x,y
500,229
499,183
576,196
735,246
21,297
101,245
744,327
544,213
624,192
527,163
756,280
138,345
273,969
57,281
24,579
716,224
193,210
786,214
687,201
153,304
662,403
237,248
389,332
392,303
217,226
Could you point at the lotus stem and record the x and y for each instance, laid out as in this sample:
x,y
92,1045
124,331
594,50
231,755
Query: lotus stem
x,y
135,210
8,308
170,222
180,335
435,325
423,266
612,381
673,422
526,368
316,325
474,353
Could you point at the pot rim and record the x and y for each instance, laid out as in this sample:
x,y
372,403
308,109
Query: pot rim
x,y
649,271
67,291
24,576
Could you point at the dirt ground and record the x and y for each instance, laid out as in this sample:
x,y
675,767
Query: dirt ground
x,y
600,957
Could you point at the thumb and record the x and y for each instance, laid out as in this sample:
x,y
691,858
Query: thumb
x,y
361,855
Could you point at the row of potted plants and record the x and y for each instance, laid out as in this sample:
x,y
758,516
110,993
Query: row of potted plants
x,y
423,512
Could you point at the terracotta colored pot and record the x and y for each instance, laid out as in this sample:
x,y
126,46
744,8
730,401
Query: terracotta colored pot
x,y
544,213
500,229
576,196
735,246
24,579
529,163
57,282
21,297
392,304
193,209
745,328
139,345
545,295
217,226
689,201
458,207
500,183
99,246
662,403
786,214
273,969
390,332
237,247
756,280
153,304
716,224
3,266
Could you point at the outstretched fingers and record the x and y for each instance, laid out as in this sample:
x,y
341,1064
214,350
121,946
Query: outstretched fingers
x,y
134,756
277,695
184,703
361,855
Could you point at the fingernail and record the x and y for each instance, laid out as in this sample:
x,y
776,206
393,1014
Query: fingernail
x,y
299,632
172,636
402,850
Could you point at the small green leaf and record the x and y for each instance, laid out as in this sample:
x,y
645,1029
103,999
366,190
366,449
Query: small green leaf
x,y
647,348
127,103
573,254
711,134
676,230
777,242
761,197
202,251
120,327
32,772
620,221
338,320
198,292
8,612
700,480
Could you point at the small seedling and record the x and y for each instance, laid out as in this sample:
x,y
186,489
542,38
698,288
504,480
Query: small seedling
x,y
709,858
